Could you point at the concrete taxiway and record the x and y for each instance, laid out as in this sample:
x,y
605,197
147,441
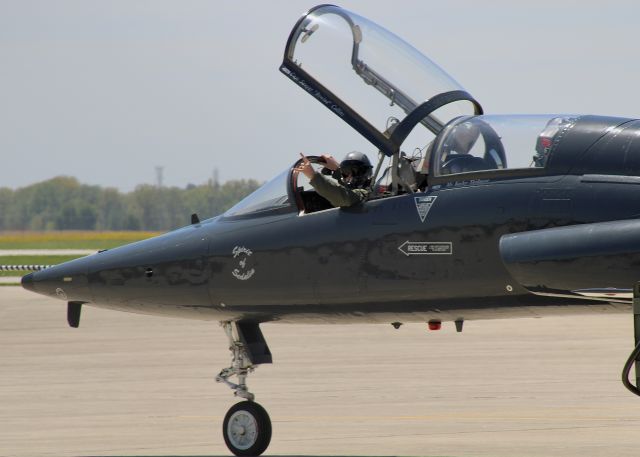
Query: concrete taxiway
x,y
131,385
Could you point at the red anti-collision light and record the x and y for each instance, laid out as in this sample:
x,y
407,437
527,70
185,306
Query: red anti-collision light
x,y
435,325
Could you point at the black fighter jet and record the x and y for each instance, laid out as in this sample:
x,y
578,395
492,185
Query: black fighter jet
x,y
469,216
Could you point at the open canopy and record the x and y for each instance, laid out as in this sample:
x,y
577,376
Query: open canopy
x,y
372,79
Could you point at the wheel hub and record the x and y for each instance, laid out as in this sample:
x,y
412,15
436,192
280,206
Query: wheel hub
x,y
243,430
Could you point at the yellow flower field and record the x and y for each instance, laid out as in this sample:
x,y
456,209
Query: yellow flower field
x,y
70,239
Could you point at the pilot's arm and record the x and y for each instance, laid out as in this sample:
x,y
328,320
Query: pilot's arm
x,y
334,192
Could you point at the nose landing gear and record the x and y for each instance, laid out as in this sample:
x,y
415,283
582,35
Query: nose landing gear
x,y
247,426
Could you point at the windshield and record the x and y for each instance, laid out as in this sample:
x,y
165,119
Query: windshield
x,y
273,195
368,69
498,142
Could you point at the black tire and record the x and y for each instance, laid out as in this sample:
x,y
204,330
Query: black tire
x,y
247,429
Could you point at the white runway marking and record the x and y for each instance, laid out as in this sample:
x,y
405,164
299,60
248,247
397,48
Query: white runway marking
x,y
18,252
10,279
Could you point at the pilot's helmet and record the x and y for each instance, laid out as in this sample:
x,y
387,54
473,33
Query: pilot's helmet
x,y
463,137
356,169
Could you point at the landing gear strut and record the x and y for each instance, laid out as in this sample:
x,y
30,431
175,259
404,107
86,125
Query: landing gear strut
x,y
246,427
634,358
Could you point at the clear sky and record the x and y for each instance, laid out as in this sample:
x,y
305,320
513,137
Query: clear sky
x,y
107,90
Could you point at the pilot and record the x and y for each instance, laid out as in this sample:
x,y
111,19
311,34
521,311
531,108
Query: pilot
x,y
352,178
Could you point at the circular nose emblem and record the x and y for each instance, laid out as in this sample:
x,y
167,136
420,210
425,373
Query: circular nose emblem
x,y
60,293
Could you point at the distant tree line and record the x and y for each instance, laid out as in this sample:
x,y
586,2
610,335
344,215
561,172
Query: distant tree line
x,y
63,203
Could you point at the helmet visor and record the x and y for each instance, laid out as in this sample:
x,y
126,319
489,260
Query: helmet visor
x,y
354,168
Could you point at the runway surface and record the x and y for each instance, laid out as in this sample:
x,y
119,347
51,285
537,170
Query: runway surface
x,y
131,385
10,280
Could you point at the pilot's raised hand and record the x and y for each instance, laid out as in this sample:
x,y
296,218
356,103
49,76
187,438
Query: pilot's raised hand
x,y
330,163
305,167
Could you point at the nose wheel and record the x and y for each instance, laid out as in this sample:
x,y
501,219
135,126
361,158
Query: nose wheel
x,y
247,429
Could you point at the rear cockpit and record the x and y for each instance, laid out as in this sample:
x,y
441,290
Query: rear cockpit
x,y
496,143
478,147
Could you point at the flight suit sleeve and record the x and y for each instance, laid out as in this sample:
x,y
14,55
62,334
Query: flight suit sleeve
x,y
337,194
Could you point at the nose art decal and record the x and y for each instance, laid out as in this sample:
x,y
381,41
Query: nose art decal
x,y
243,271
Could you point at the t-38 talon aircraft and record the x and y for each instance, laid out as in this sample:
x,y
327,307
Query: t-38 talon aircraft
x,y
470,216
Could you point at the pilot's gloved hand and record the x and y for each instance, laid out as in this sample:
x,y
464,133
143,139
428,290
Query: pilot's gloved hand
x,y
305,167
330,163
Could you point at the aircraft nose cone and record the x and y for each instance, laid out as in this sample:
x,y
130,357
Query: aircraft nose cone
x,y
28,283
66,281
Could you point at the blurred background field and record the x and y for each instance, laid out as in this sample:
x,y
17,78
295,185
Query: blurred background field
x,y
64,203
70,239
